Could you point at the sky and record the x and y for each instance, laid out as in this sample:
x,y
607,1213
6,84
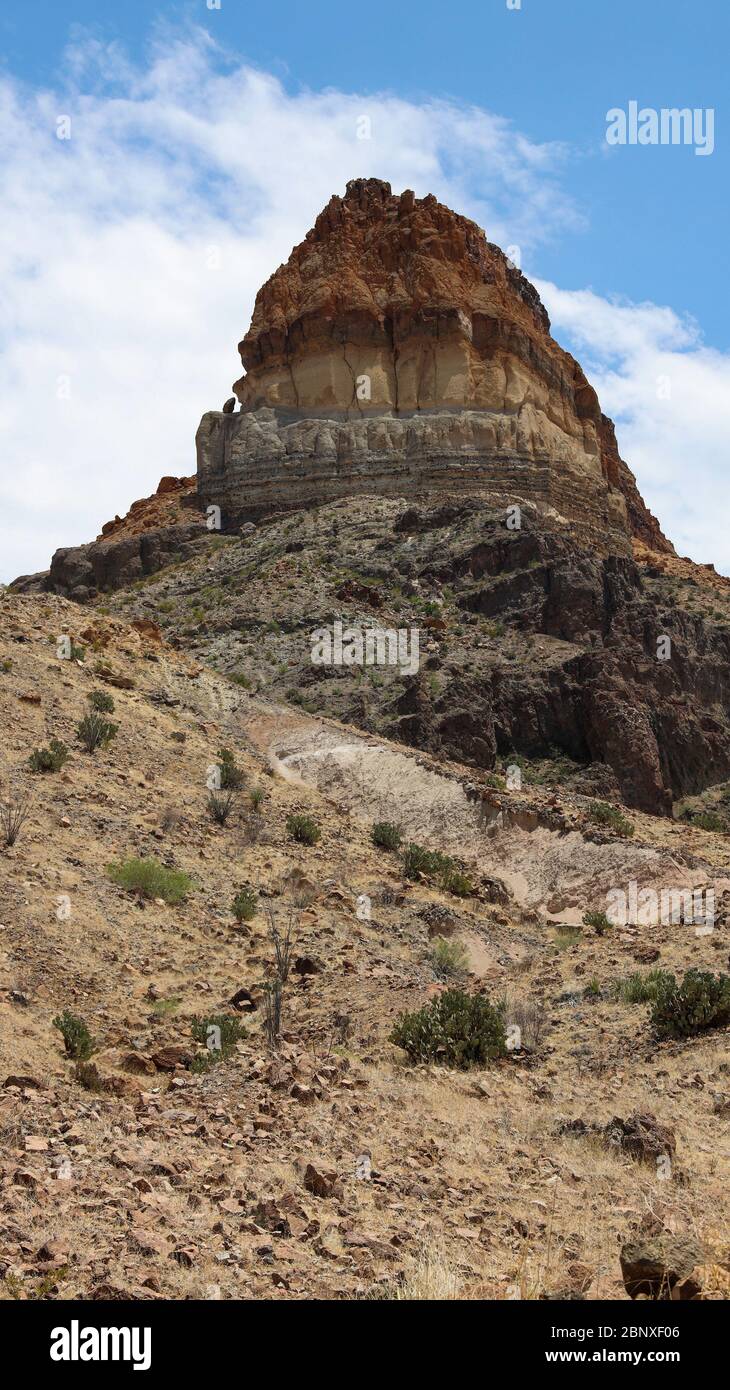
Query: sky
x,y
157,163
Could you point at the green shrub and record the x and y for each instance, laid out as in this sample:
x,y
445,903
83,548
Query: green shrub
x,y
244,905
643,988
566,937
448,958
232,776
709,820
50,759
151,880
161,1008
101,702
257,796
95,732
77,1039
610,816
454,881
303,829
417,860
702,1001
456,1030
229,1032
385,835
599,921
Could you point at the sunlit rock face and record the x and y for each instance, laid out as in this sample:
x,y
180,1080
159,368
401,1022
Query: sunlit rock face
x,y
399,352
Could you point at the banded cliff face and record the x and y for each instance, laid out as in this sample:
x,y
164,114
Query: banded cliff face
x,y
400,352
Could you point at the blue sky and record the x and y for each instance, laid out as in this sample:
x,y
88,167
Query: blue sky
x,y
178,148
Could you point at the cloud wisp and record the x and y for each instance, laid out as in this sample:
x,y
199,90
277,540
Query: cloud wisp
x,y
669,396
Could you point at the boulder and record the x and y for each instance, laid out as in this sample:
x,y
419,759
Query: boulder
x,y
662,1267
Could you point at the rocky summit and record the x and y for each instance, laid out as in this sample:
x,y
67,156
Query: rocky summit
x,y
378,972
400,352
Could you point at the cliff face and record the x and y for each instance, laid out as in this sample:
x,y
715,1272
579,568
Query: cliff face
x,y
395,308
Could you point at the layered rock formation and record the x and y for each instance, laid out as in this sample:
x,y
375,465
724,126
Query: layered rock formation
x,y
400,352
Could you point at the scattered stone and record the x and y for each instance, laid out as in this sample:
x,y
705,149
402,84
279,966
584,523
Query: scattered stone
x,y
139,1063
322,1182
306,965
642,1136
170,1057
662,1267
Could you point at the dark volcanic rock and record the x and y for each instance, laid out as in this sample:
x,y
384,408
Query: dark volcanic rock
x,y
81,572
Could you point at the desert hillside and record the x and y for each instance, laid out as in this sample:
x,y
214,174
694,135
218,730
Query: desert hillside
x,y
143,1163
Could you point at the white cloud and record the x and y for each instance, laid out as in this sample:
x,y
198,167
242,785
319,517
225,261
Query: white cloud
x,y
669,396
131,253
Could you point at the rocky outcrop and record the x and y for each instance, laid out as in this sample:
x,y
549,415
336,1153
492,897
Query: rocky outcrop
x,y
400,352
82,572
156,531
608,699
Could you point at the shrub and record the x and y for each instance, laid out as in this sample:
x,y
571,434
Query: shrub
x,y
385,835
604,814
14,811
50,759
220,804
87,1074
702,1001
283,943
598,920
232,776
101,702
454,881
256,796
95,732
456,1030
643,988
151,880
161,1008
220,1043
417,860
448,958
566,937
709,820
244,905
77,1039
303,829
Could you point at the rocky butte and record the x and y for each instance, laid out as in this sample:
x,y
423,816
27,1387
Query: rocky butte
x,y
400,352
